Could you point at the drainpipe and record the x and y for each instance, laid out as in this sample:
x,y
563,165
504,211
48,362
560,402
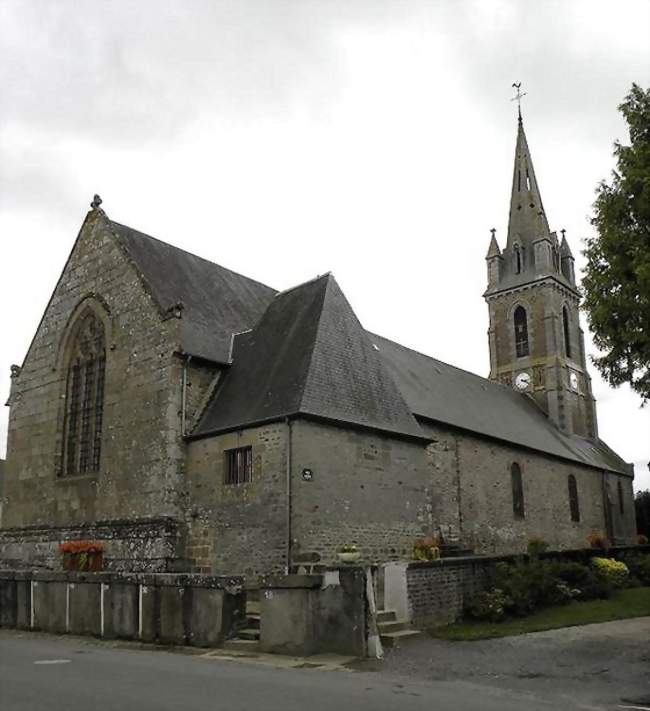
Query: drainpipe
x,y
186,363
288,502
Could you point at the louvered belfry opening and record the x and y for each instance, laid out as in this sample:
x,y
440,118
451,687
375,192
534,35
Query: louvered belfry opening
x,y
85,398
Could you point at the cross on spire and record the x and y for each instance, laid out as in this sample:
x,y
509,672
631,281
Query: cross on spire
x,y
518,97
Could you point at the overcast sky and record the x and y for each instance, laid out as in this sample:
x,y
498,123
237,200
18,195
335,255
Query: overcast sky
x,y
370,138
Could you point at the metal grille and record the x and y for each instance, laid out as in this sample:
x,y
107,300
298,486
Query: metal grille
x,y
72,420
239,465
99,414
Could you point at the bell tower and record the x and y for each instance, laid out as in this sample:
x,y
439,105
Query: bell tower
x,y
536,341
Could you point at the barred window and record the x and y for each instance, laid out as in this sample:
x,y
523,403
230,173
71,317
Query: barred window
x,y
239,465
574,503
518,508
82,438
521,332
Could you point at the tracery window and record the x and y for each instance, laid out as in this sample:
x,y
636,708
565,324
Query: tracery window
x,y
574,503
521,332
84,404
518,508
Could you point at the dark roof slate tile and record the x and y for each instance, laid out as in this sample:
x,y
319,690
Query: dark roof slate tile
x,y
216,301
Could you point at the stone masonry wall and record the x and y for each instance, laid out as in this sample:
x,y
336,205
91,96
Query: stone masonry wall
x,y
487,521
368,489
238,529
141,446
142,546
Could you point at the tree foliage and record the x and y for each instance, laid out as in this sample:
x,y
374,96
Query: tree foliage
x,y
616,284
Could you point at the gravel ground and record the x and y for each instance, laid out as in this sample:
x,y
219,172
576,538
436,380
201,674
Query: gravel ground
x,y
603,666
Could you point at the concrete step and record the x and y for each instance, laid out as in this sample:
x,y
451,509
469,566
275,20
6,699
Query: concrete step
x,y
249,634
396,626
242,645
386,616
252,607
397,639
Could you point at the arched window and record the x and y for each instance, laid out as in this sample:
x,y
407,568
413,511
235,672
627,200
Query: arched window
x,y
84,403
521,332
621,504
567,331
517,491
574,503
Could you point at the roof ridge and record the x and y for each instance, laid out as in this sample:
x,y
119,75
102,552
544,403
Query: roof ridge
x,y
303,283
315,339
441,362
191,254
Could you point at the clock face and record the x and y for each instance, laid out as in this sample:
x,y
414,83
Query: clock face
x,y
573,379
522,381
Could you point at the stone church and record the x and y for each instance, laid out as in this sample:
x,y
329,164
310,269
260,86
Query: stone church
x,y
193,419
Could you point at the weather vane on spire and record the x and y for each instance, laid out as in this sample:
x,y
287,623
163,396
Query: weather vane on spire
x,y
518,96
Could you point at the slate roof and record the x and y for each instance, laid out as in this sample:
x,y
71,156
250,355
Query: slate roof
x,y
216,301
308,355
443,393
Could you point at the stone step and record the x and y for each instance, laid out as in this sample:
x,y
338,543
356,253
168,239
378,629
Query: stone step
x,y
249,634
252,607
386,616
252,622
397,639
242,645
395,626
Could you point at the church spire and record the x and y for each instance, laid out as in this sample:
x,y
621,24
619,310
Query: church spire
x,y
527,217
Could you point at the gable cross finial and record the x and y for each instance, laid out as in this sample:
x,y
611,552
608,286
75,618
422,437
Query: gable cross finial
x,y
493,230
518,97
97,201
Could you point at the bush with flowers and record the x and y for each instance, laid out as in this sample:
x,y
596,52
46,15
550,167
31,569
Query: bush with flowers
x,y
596,539
426,549
82,555
611,571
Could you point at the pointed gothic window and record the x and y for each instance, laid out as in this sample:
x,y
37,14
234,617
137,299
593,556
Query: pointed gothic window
x,y
621,504
574,503
567,331
521,332
84,409
517,259
517,491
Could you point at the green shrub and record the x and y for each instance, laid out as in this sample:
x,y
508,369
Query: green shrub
x,y
571,573
529,585
488,606
536,545
639,567
613,572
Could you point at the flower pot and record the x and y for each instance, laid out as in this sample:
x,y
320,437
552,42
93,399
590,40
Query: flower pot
x,y
349,557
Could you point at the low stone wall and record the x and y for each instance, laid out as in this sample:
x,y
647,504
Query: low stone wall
x,y
435,593
150,545
164,608
309,614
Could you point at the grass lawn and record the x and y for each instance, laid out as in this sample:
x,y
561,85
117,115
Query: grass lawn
x,y
633,602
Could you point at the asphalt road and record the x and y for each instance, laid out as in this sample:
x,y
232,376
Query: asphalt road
x,y
71,674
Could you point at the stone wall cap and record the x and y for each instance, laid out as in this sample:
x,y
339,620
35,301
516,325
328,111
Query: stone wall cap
x,y
291,581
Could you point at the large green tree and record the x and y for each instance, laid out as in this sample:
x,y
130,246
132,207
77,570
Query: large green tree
x,y
616,283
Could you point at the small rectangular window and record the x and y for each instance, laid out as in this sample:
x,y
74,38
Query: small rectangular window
x,y
239,465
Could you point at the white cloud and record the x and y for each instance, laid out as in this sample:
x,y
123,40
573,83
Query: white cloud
x,y
285,139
